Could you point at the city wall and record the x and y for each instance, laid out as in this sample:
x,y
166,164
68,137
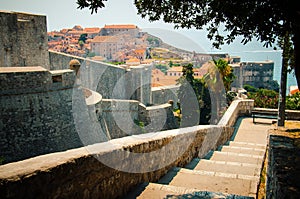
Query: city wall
x,y
23,40
77,173
163,94
112,82
36,112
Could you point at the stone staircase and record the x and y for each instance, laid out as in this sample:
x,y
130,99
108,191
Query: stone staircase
x,y
233,171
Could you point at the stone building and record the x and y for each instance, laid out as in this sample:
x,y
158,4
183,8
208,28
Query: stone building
x,y
255,74
112,30
107,46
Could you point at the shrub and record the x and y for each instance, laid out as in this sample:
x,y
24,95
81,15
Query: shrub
x,y
293,102
264,98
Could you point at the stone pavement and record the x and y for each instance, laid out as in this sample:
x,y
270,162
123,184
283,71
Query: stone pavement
x,y
233,171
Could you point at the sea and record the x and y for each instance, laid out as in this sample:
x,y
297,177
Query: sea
x,y
195,40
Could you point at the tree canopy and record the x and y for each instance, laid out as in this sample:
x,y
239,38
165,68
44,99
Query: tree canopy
x,y
264,20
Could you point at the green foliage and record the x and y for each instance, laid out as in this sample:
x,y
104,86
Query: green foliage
x,y
226,73
162,68
190,88
153,41
139,123
293,102
2,159
250,88
269,85
83,38
264,98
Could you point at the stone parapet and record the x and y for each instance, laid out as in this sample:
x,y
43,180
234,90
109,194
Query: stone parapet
x,y
78,174
236,109
111,169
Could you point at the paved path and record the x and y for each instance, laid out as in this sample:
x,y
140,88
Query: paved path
x,y
232,171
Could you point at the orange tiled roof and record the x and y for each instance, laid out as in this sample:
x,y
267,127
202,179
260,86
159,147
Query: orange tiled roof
x,y
77,32
89,30
124,26
294,91
140,51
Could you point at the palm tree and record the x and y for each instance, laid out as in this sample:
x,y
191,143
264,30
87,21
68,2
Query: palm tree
x,y
226,73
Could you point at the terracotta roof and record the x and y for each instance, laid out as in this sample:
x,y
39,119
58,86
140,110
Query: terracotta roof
x,y
294,91
89,30
78,32
124,26
140,51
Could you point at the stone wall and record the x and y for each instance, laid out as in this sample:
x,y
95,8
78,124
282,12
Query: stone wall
x,y
120,118
283,177
37,112
78,174
23,40
111,169
163,94
112,82
236,109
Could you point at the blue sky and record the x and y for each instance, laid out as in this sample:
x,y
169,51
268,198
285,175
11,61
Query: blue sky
x,y
64,14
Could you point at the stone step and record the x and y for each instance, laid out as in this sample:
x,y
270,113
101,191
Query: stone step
x,y
217,174
159,191
244,150
247,145
237,157
215,182
241,169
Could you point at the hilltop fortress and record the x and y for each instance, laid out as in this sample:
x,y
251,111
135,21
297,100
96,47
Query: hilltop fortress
x,y
46,107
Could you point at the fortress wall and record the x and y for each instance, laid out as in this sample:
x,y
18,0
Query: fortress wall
x,y
163,94
36,113
112,82
117,117
23,40
77,173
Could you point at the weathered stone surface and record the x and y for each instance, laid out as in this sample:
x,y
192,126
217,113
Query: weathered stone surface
x,y
283,175
23,40
78,174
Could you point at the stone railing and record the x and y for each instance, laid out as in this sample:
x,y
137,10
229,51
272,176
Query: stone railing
x,y
111,169
236,109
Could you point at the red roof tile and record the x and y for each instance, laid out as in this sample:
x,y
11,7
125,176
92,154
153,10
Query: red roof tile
x,y
124,26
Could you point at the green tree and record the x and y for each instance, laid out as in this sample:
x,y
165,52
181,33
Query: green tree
x,y
194,97
81,44
83,38
293,102
264,98
225,20
226,73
